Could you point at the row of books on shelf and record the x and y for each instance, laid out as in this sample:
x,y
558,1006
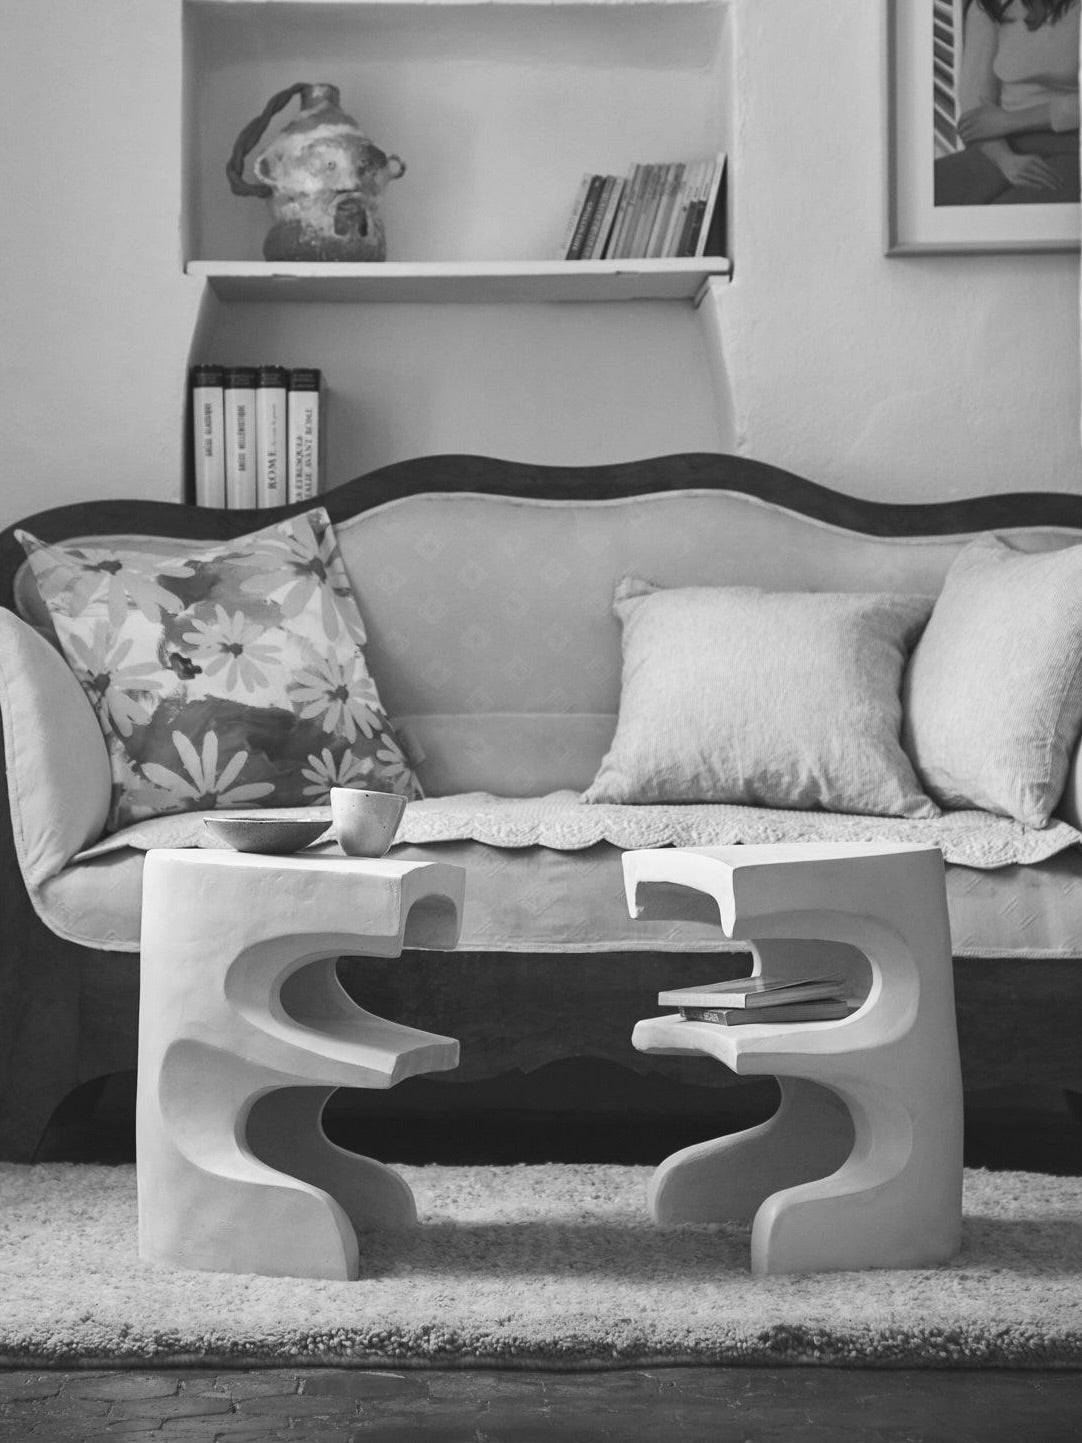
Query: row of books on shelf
x,y
258,434
673,208
761,999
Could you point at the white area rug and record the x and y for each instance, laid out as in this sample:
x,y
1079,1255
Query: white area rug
x,y
535,1266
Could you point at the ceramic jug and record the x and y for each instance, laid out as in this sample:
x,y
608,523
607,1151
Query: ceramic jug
x,y
321,177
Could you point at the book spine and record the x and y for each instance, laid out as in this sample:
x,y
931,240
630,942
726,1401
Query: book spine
x,y
208,435
659,230
823,1011
674,211
692,182
589,249
693,227
646,211
608,223
708,190
272,435
709,231
239,407
627,208
306,422
586,215
573,218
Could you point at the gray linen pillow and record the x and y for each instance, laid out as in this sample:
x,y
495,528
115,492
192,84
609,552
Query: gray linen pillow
x,y
993,694
781,699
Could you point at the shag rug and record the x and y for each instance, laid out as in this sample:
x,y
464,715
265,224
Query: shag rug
x,y
552,1266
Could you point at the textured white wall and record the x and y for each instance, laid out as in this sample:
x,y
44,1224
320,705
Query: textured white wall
x,y
96,312
908,378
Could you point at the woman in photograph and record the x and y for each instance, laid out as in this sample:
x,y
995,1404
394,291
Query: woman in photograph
x,y
1017,106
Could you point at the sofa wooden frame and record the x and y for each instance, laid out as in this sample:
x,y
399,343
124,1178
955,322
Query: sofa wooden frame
x,y
69,1014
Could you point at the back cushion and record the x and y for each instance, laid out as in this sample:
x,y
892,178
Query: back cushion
x,y
490,628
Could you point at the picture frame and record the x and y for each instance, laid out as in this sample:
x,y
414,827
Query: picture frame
x,y
924,43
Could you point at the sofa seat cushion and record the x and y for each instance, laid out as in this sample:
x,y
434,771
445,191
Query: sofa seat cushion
x,y
545,874
539,899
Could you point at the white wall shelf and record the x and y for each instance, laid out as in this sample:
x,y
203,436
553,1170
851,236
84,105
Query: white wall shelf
x,y
497,109
462,281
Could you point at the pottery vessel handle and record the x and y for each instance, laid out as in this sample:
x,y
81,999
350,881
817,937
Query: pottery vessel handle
x,y
249,138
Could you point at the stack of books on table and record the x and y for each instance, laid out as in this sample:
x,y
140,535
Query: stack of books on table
x,y
760,999
258,434
674,208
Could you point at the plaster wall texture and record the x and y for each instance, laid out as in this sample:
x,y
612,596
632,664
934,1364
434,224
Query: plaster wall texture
x,y
910,379
95,313
898,378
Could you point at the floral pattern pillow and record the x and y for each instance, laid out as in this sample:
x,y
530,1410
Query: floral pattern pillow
x,y
230,676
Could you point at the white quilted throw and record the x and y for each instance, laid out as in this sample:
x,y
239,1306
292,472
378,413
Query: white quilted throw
x,y
561,821
565,823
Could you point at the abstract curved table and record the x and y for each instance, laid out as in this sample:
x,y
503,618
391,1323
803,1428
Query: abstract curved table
x,y
885,1190
245,1031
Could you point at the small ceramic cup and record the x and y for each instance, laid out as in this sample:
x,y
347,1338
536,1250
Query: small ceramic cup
x,y
365,822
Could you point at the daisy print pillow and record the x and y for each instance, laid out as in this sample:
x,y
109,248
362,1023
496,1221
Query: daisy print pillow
x,y
225,676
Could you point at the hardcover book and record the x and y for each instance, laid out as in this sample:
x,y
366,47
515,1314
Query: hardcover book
x,y
272,435
712,208
586,215
307,450
573,216
208,435
593,231
239,406
826,1009
752,992
607,228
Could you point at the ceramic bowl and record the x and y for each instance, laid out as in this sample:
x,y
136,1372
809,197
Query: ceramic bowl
x,y
252,832
365,822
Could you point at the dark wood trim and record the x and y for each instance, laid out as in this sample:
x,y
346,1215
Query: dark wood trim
x,y
490,476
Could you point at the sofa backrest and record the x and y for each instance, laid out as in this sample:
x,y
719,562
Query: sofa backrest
x,y
490,628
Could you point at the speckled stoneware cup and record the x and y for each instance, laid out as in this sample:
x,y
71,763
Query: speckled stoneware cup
x,y
365,822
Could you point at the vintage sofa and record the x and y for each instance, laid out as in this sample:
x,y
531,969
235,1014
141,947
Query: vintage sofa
x,y
486,588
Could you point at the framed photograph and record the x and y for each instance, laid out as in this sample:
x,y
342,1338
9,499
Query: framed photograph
x,y
982,125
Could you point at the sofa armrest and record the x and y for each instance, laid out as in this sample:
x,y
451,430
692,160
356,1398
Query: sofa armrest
x,y
58,776
1069,806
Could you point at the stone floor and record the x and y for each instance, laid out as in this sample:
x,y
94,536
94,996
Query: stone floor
x,y
707,1405
730,1405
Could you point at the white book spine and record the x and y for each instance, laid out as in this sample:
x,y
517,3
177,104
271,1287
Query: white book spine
x,y
208,437
272,440
240,445
305,440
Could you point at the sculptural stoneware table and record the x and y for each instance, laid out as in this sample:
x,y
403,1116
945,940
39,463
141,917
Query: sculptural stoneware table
x,y
244,1032
885,1189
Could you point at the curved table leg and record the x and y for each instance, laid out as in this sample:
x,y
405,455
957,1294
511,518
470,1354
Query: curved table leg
x,y
244,1033
890,1205
285,1130
894,1199
206,1200
727,1179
